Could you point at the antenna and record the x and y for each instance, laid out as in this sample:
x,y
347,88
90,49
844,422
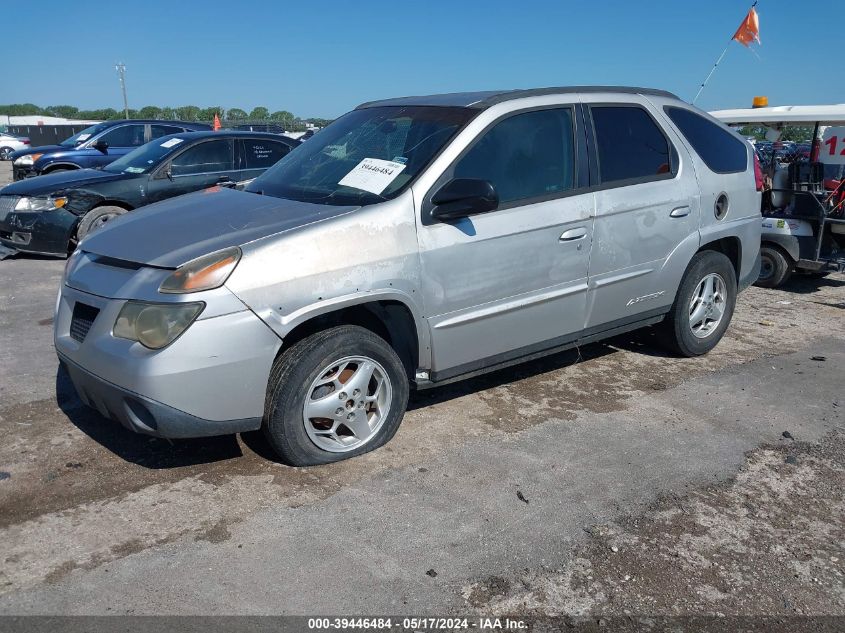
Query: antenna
x,y
121,73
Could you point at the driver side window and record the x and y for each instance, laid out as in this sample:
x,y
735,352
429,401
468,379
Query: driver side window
x,y
124,136
525,156
204,158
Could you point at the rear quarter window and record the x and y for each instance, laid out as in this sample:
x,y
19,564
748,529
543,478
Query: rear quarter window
x,y
721,150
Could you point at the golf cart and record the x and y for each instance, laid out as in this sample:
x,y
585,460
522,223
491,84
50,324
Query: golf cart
x,y
804,193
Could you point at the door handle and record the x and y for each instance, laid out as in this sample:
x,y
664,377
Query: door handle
x,y
573,234
225,181
679,212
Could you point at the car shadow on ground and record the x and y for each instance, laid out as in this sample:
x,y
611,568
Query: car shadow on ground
x,y
143,450
157,453
807,284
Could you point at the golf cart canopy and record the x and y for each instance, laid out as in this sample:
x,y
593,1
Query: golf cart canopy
x,y
783,115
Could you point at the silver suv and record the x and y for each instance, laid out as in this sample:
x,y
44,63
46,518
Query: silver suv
x,y
412,242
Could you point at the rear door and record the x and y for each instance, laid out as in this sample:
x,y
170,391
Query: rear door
x,y
204,164
647,211
255,155
503,284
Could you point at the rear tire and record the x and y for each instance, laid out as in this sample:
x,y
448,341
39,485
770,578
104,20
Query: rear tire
x,y
703,306
322,371
775,266
97,218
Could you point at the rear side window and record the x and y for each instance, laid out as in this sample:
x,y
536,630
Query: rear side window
x,y
261,153
722,151
157,131
207,157
630,145
525,156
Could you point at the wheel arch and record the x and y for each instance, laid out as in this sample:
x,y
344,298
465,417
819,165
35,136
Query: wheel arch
x,y
730,247
391,318
112,203
787,243
58,165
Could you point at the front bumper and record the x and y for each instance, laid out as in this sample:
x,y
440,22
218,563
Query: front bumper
x,y
211,381
144,415
42,232
19,172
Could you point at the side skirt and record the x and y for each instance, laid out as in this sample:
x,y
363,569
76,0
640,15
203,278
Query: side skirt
x,y
546,348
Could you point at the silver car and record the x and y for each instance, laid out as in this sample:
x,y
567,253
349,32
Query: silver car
x,y
412,242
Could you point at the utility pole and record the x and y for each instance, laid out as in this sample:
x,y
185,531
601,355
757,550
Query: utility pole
x,y
121,73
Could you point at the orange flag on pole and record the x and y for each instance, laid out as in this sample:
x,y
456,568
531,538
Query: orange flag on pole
x,y
216,125
749,30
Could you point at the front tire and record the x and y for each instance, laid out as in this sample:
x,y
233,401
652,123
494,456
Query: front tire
x,y
5,153
775,267
97,218
335,394
703,307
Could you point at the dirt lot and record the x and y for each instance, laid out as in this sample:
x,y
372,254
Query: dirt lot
x,y
609,481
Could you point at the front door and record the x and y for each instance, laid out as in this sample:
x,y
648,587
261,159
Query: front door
x,y
121,140
502,284
199,166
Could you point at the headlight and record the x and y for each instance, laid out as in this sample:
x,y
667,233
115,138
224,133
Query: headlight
x,y
40,203
203,273
28,159
155,325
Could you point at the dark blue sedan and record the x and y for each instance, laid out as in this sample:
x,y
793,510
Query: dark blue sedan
x,y
48,215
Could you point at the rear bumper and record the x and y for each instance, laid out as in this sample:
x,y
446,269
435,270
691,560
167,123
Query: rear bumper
x,y
144,415
751,275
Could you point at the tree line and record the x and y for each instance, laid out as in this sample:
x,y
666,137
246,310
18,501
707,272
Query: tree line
x,y
183,113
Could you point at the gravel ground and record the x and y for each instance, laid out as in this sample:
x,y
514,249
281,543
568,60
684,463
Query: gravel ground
x,y
610,482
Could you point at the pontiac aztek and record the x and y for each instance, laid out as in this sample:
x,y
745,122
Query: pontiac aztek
x,y
412,242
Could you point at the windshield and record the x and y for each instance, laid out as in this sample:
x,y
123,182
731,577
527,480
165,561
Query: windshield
x,y
364,157
84,135
144,159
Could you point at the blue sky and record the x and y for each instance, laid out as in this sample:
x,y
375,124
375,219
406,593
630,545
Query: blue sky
x,y
321,58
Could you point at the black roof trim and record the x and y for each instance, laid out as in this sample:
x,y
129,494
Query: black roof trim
x,y
485,99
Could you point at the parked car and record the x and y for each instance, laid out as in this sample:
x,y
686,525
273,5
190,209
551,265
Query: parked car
x,y
410,243
95,146
9,143
50,214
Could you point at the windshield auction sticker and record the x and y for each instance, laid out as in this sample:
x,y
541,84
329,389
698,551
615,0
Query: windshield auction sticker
x,y
373,175
171,142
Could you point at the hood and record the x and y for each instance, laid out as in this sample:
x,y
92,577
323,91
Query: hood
x,y
50,183
44,149
168,234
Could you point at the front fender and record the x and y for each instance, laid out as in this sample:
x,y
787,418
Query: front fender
x,y
283,324
81,201
40,167
789,243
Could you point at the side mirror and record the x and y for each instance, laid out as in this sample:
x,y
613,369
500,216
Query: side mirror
x,y
462,197
101,146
